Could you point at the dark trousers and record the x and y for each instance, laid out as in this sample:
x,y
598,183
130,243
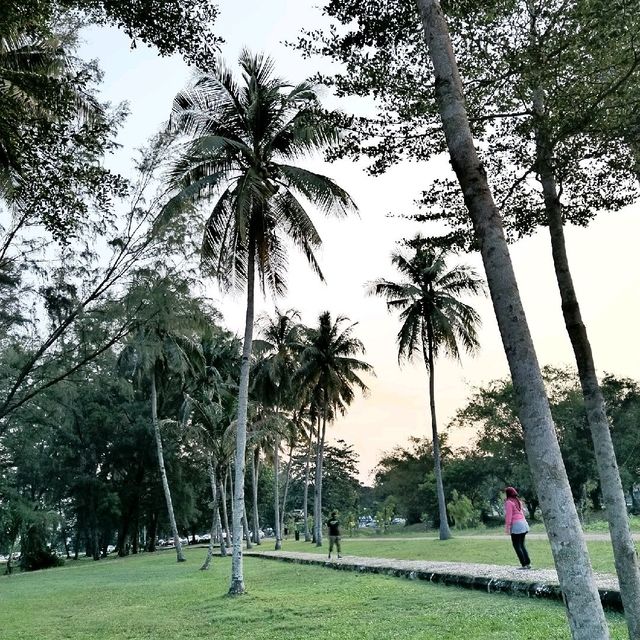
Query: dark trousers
x,y
517,539
334,540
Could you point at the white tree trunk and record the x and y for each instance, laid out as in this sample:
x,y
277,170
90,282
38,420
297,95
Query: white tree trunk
x,y
215,514
584,609
318,488
237,572
287,479
163,472
307,533
276,492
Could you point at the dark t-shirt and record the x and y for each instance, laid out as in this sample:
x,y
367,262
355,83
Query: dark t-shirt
x,y
334,527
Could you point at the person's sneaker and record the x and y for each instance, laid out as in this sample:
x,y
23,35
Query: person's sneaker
x,y
339,556
329,556
525,568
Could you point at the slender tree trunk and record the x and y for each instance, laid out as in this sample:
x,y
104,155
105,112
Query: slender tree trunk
x,y
237,573
286,487
626,558
153,532
215,514
225,514
255,471
276,492
163,473
445,532
307,469
245,524
584,609
319,464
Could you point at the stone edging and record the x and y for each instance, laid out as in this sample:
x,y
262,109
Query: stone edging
x,y
611,599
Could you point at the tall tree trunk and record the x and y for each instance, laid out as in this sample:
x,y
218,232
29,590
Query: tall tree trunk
x,y
163,473
237,573
624,551
245,525
319,463
215,514
255,473
307,469
276,492
225,514
445,532
584,609
286,487
153,532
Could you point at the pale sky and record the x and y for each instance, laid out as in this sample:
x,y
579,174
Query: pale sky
x,y
603,257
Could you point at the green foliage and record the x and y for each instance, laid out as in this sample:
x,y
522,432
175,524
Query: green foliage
x,y
462,511
434,319
242,139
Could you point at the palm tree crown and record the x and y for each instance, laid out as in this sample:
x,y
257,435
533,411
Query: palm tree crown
x,y
243,140
428,301
329,370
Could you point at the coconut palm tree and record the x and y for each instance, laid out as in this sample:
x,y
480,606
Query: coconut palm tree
x,y
275,366
434,321
164,348
243,138
329,374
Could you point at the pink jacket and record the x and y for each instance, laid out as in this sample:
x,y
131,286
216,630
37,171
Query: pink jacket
x,y
512,512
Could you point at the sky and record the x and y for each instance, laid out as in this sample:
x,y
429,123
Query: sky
x,y
355,251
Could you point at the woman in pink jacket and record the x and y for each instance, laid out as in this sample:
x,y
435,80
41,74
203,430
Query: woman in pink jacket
x,y
516,525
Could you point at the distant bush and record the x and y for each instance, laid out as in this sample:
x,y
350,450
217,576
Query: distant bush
x,y
34,551
462,511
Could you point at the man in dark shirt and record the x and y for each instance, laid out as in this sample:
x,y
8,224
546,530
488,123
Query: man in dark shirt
x,y
333,524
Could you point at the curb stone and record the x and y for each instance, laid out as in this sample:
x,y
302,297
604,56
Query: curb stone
x,y
455,574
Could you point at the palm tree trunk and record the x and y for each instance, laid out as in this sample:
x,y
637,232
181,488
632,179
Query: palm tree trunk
x,y
255,466
445,532
319,463
237,571
163,473
307,533
214,514
225,514
286,487
245,525
584,609
276,492
624,551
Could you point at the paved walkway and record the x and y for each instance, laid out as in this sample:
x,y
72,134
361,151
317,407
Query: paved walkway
x,y
541,583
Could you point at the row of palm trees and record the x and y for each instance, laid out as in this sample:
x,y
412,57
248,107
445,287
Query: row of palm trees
x,y
183,362
236,159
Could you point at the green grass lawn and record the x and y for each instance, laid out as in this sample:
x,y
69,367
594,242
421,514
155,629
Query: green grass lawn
x,y
490,551
151,597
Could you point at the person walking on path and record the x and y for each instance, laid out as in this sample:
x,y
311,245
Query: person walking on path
x,y
516,525
333,524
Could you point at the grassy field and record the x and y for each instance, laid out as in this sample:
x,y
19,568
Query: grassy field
x,y
151,597
490,551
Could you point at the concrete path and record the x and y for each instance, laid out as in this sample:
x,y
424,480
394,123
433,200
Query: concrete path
x,y
540,583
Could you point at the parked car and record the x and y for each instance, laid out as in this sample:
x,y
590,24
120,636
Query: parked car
x,y
205,537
